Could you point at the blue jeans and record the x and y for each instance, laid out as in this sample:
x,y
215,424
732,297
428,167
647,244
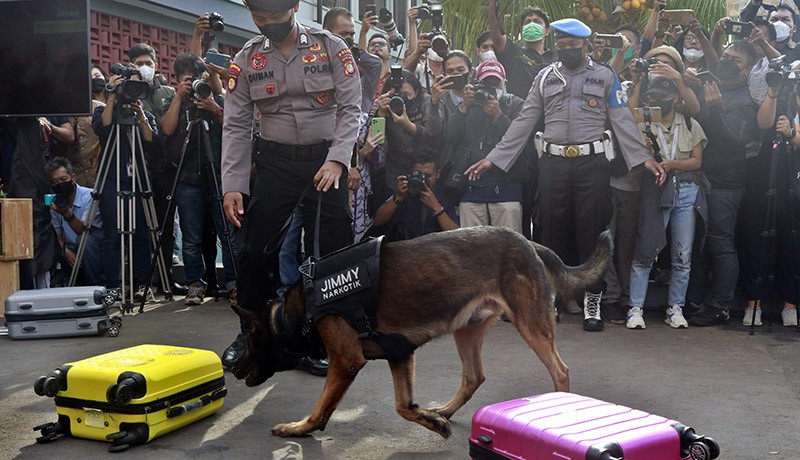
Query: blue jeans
x,y
683,220
289,257
193,203
720,253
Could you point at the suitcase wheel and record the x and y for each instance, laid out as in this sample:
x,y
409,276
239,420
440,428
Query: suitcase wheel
x,y
109,299
49,438
38,388
51,386
118,448
705,449
117,435
113,331
116,322
44,426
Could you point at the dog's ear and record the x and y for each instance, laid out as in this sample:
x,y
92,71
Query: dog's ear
x,y
246,315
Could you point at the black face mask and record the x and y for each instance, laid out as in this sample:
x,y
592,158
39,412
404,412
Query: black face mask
x,y
665,106
98,85
278,32
727,70
350,42
63,188
571,58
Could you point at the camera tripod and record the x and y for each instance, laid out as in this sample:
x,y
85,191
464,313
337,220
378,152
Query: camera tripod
x,y
126,223
769,246
199,127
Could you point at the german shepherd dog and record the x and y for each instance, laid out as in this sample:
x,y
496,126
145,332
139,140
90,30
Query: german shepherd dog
x,y
457,282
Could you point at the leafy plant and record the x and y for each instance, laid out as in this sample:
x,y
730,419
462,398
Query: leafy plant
x,y
466,19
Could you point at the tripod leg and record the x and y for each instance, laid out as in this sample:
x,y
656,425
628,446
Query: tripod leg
x,y
226,226
102,175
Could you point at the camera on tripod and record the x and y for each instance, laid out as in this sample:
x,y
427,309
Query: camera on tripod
x,y
130,90
397,102
781,75
416,182
390,27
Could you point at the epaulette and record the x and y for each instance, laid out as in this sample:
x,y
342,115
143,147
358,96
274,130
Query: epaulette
x,y
254,41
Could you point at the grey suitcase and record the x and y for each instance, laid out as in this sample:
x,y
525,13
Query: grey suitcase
x,y
60,312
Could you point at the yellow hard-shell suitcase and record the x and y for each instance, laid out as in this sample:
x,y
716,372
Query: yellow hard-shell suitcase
x,y
133,395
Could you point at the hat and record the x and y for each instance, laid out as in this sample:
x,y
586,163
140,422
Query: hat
x,y
669,51
272,6
570,28
661,87
490,68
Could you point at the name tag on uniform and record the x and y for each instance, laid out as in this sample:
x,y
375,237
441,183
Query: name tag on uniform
x,y
342,283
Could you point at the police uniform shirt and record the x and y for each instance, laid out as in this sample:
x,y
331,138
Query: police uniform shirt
x,y
575,106
312,97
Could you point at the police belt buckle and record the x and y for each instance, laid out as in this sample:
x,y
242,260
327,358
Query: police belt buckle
x,y
572,151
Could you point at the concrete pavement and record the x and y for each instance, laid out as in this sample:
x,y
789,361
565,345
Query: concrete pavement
x,y
741,390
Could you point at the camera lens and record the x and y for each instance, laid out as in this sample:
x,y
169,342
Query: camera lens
x,y
201,88
396,104
439,44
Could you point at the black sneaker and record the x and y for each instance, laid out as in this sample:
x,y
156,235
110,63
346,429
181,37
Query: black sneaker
x,y
318,367
234,352
709,316
614,313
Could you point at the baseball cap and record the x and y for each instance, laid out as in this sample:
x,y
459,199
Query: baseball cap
x,y
490,68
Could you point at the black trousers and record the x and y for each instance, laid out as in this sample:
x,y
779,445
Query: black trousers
x,y
574,206
278,184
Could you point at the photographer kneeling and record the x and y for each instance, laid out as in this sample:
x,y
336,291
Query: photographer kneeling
x,y
482,119
68,214
194,194
417,208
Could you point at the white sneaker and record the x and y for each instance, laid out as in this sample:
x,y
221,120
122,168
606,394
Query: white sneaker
x,y
675,317
748,317
635,319
789,317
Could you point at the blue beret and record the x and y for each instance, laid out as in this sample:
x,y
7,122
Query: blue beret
x,y
570,28
272,6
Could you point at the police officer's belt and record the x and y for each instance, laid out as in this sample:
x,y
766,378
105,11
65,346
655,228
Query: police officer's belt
x,y
575,150
295,152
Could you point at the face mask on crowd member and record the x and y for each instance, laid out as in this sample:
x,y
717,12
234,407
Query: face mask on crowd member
x,y
782,31
146,66
486,48
457,65
785,16
408,92
735,63
532,32
661,93
693,55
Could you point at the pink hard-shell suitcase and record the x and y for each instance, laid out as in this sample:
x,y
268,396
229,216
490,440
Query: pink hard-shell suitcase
x,y
570,426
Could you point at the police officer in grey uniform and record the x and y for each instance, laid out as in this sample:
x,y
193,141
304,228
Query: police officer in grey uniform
x,y
577,97
305,84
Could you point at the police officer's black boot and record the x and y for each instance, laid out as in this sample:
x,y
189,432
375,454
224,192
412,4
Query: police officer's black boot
x,y
314,366
234,352
591,312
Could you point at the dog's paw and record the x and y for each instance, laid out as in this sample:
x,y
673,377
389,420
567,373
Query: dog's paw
x,y
442,426
443,411
291,430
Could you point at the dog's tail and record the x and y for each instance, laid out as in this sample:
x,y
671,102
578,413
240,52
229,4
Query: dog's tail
x,y
569,281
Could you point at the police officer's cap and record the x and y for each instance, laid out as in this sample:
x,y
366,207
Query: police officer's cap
x,y
272,6
570,28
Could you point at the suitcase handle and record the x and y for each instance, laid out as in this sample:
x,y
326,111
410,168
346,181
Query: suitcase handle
x,y
195,405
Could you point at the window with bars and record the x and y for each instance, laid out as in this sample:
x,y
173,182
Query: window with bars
x,y
112,37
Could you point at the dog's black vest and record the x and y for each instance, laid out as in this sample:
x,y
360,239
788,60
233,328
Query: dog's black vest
x,y
343,283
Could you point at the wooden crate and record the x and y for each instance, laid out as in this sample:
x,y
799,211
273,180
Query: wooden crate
x,y
16,229
9,281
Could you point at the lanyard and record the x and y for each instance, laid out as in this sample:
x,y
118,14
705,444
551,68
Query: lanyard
x,y
673,154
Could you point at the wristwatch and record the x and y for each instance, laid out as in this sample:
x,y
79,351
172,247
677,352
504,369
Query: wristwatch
x,y
439,212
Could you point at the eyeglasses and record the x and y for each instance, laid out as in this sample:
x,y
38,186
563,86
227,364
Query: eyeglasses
x,y
378,44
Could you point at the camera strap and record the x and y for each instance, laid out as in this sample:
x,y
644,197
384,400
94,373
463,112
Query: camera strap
x,y
673,149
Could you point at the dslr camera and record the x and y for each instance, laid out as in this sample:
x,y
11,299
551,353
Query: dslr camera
x,y
643,65
397,102
416,182
390,27
217,25
434,12
130,90
482,93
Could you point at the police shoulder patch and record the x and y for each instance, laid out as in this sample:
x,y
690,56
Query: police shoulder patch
x,y
232,82
616,97
346,58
